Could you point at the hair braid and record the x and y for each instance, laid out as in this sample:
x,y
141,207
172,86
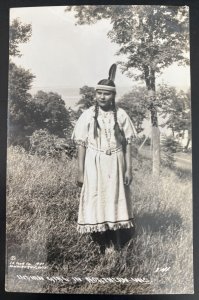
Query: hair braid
x,y
114,112
118,133
96,123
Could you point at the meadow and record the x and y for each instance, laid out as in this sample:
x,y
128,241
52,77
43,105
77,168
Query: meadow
x,y
42,206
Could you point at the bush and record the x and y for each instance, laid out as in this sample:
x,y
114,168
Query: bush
x,y
43,143
169,146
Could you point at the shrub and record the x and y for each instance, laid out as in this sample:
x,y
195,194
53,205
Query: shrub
x,y
43,143
169,146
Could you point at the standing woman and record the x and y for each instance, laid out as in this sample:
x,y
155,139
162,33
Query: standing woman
x,y
104,134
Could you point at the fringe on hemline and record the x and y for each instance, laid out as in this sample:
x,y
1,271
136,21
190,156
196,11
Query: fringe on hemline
x,y
103,227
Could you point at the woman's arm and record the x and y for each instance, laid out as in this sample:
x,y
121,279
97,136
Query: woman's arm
x,y
81,160
128,170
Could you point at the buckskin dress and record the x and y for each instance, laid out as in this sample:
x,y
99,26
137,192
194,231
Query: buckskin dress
x,y
105,202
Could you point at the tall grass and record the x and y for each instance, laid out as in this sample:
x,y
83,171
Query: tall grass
x,y
42,205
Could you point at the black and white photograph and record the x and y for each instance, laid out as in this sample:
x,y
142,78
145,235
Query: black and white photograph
x,y
99,150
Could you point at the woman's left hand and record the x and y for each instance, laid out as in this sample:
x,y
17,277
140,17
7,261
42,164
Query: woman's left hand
x,y
128,177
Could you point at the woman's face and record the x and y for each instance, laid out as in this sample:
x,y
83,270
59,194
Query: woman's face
x,y
104,98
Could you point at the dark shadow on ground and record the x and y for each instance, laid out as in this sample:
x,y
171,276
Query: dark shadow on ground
x,y
117,238
55,254
158,222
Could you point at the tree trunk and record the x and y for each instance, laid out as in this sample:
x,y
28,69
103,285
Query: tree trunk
x,y
156,150
188,140
155,138
149,74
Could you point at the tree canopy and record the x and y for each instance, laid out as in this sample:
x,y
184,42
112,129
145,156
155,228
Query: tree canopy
x,y
49,111
87,97
20,81
175,108
150,37
18,33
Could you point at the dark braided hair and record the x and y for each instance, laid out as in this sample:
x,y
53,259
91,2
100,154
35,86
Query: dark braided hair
x,y
118,133
96,123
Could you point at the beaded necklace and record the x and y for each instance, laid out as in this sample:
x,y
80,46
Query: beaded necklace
x,y
108,135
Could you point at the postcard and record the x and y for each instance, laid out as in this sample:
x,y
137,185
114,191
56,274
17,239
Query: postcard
x,y
99,150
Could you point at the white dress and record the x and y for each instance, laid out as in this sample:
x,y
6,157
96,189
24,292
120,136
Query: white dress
x,y
105,201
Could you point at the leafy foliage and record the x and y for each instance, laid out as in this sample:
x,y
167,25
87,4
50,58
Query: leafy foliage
x,y
150,37
49,111
20,119
20,81
45,144
136,106
87,97
175,108
27,113
169,146
18,33
169,143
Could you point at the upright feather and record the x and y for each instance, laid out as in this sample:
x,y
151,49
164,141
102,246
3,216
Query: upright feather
x,y
112,72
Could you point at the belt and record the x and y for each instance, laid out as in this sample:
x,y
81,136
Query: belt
x,y
107,151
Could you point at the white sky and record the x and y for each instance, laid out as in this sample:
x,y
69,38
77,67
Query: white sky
x,y
61,54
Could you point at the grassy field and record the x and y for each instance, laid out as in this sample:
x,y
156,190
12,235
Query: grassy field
x,y
42,205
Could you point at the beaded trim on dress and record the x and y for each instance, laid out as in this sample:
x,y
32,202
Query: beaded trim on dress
x,y
88,228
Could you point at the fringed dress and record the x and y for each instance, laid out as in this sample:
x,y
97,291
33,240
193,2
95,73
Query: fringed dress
x,y
105,202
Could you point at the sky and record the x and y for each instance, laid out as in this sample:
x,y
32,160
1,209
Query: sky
x,y
62,54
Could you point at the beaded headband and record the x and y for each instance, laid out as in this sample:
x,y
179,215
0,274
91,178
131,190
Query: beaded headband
x,y
105,87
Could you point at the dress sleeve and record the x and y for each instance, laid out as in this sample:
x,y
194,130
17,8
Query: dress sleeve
x,y
80,131
128,128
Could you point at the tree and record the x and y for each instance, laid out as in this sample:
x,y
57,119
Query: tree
x,y
18,33
187,114
87,97
176,110
169,146
151,38
20,81
135,105
48,111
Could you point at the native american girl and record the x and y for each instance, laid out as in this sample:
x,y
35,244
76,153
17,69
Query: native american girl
x,y
104,134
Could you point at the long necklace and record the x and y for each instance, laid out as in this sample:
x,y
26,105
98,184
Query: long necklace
x,y
108,135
